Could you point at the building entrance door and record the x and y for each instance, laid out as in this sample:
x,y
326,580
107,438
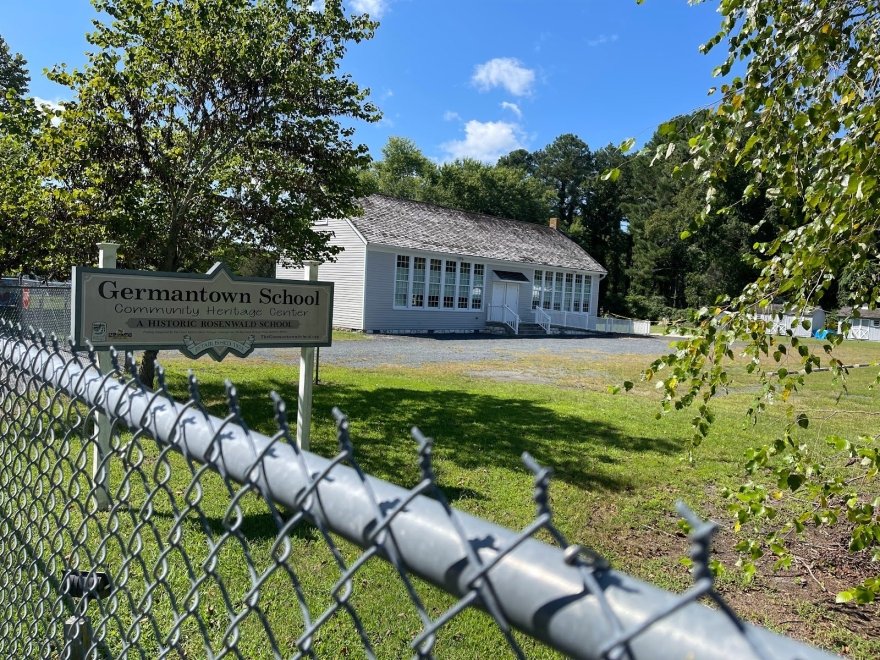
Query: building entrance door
x,y
504,294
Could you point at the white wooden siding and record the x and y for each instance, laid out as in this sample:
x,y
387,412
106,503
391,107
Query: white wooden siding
x,y
379,312
347,272
380,315
862,329
793,322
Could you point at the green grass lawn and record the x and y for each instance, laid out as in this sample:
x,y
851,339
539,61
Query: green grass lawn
x,y
618,472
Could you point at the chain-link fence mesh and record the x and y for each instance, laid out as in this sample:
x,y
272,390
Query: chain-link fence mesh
x,y
36,304
133,525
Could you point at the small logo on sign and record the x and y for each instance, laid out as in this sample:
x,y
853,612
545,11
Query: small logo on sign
x,y
99,331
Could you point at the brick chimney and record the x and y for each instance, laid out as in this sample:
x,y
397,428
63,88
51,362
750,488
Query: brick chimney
x,y
554,223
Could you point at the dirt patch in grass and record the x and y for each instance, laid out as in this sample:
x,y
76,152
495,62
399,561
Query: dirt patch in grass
x,y
511,375
801,601
822,567
798,602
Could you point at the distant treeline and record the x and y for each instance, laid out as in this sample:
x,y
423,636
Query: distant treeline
x,y
636,222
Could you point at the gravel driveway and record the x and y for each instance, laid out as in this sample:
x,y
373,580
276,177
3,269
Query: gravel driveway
x,y
376,350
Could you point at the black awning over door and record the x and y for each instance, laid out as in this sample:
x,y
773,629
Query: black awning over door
x,y
510,276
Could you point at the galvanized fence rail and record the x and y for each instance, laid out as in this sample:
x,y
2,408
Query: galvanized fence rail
x,y
210,525
33,303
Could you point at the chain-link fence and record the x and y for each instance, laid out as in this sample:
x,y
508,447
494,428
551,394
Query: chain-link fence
x,y
169,532
38,304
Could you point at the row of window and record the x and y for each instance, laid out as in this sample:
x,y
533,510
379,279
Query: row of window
x,y
421,283
561,292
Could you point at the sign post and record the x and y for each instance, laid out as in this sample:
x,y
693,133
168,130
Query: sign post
x,y
100,464
216,313
306,368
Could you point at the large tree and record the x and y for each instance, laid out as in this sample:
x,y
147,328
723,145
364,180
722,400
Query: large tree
x,y
496,190
404,171
564,165
200,124
601,228
467,184
801,123
38,231
662,198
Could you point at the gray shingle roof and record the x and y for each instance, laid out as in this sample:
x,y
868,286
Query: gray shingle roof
x,y
418,226
864,312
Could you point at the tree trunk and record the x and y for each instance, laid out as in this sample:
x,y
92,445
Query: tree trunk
x,y
147,370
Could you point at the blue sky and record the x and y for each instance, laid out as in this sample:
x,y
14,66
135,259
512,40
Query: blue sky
x,y
477,78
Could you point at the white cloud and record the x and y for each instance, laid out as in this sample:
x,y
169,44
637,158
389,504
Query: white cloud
x,y
485,141
602,39
505,72
513,107
375,8
49,106
451,115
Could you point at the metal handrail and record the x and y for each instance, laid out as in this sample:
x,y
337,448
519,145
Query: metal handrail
x,y
514,321
543,319
507,316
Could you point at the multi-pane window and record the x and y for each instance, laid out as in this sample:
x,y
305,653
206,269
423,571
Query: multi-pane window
x,y
477,289
449,285
569,291
401,281
561,292
464,285
537,283
547,289
421,283
418,282
557,292
434,283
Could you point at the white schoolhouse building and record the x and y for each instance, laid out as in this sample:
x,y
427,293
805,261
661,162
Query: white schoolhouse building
x,y
411,267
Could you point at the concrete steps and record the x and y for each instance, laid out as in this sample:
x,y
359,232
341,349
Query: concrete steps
x,y
531,330
535,330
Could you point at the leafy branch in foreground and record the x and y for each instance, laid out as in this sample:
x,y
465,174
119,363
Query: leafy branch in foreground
x,y
802,123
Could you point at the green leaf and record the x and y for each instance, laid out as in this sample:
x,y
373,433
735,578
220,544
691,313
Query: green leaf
x,y
611,175
795,481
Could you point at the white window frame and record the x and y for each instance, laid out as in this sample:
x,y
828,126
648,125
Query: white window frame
x,y
444,259
583,293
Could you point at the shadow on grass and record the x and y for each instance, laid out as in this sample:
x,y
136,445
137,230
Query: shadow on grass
x,y
478,430
253,526
472,430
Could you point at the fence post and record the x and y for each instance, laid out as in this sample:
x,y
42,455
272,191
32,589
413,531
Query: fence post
x,y
306,368
101,473
77,637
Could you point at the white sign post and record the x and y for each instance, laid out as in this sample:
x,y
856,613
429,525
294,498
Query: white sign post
x,y
100,466
306,368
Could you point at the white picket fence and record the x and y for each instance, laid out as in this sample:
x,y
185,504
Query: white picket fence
x,y
625,326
